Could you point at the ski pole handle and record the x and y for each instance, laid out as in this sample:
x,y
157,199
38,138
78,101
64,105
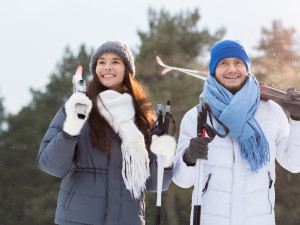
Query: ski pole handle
x,y
167,117
160,115
80,87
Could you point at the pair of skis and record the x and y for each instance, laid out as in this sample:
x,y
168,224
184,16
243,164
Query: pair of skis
x,y
266,91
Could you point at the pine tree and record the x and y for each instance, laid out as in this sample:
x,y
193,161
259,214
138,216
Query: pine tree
x,y
2,116
279,66
279,63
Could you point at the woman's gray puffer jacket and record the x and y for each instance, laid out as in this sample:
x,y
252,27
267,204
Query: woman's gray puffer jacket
x,y
92,189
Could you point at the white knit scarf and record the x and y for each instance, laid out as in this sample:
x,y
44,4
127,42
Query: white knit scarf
x,y
118,110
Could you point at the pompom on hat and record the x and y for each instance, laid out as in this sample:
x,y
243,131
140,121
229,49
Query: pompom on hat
x,y
115,47
225,49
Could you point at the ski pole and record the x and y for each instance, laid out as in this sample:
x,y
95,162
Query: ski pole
x,y
79,87
167,117
160,170
161,127
199,166
203,75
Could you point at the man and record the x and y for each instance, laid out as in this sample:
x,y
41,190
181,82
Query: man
x,y
239,171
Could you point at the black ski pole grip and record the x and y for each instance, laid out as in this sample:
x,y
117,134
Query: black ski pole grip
x,y
167,117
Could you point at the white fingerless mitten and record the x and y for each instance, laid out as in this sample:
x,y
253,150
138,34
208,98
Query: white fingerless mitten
x,y
164,145
73,124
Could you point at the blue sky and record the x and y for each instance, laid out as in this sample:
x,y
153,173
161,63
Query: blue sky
x,y
34,33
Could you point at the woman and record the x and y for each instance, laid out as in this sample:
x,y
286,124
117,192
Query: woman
x,y
104,159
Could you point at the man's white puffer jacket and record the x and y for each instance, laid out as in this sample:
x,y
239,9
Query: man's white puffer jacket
x,y
234,195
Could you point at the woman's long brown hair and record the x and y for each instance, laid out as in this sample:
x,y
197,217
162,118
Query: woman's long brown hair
x,y
144,113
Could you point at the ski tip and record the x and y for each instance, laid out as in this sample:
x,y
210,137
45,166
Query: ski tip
x,y
272,90
166,70
159,61
203,73
79,70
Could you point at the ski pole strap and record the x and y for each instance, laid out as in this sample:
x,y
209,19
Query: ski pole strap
x,y
201,120
161,125
157,126
211,131
168,116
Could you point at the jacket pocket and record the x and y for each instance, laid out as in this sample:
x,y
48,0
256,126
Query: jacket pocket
x,y
269,189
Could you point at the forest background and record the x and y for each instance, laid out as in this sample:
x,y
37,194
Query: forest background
x,y
28,196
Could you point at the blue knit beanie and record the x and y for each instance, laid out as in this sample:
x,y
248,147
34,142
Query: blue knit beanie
x,y
117,47
225,49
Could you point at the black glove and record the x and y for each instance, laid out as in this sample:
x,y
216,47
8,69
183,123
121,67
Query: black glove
x,y
293,109
198,149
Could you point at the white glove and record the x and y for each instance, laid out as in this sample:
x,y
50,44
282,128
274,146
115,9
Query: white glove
x,y
72,123
164,145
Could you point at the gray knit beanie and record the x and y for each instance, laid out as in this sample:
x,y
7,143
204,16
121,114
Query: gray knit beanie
x,y
116,47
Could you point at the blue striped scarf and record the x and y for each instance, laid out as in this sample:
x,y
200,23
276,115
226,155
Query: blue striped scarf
x,y
237,113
